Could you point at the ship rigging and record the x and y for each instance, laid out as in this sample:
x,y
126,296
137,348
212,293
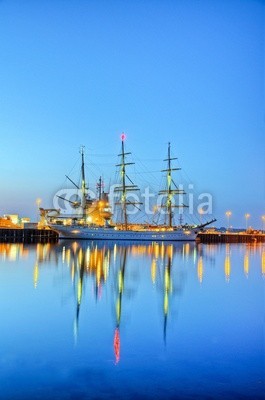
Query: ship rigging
x,y
95,220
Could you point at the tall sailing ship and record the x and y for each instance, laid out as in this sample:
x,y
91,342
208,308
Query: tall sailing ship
x,y
94,222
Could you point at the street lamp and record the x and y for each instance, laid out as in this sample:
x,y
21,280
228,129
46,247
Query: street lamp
x,y
201,214
263,220
38,203
228,214
247,217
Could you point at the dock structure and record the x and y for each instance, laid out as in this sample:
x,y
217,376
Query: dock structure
x,y
9,235
231,237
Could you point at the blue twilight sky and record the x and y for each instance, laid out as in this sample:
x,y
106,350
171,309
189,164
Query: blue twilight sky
x,y
81,72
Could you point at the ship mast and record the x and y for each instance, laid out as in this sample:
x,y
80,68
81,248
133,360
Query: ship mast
x,y
169,192
124,188
83,182
99,187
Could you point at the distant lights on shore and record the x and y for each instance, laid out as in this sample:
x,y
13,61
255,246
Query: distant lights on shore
x,y
247,216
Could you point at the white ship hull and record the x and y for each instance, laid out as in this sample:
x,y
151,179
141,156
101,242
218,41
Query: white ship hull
x,y
94,233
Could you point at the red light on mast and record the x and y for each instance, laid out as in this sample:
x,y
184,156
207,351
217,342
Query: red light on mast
x,y
123,136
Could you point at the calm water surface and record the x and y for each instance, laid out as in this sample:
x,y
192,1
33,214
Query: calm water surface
x,y
95,320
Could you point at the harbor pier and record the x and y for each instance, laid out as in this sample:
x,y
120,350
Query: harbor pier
x,y
231,237
9,235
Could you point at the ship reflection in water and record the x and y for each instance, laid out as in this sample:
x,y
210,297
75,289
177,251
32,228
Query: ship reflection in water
x,y
103,320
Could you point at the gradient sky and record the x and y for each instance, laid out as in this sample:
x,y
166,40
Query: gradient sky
x,y
81,72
